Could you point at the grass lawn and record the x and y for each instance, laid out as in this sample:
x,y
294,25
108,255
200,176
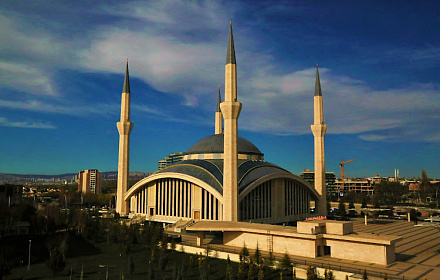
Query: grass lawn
x,y
96,259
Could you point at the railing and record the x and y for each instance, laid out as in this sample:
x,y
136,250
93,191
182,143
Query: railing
x,y
188,223
172,225
298,262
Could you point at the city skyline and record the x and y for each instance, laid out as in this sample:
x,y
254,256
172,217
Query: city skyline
x,y
62,71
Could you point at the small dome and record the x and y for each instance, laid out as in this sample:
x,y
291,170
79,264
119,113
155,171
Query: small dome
x,y
214,145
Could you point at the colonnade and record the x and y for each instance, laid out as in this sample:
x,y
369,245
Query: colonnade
x,y
297,198
166,198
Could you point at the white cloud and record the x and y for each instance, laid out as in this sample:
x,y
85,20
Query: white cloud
x,y
26,124
179,47
46,107
283,104
164,63
26,78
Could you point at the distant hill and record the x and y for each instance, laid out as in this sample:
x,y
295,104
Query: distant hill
x,y
22,178
36,176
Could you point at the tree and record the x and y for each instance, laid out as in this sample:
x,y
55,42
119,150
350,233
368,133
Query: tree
x,y
56,262
130,265
5,269
328,205
175,272
228,269
163,260
311,275
251,269
173,244
270,260
365,275
388,193
351,205
241,269
182,271
150,270
244,253
331,276
413,214
286,264
164,243
364,202
425,187
328,275
261,272
341,208
57,248
204,270
257,255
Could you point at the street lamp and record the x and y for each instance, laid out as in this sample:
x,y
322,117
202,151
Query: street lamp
x,y
29,260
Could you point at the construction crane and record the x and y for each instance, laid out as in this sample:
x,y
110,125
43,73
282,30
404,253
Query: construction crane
x,y
342,172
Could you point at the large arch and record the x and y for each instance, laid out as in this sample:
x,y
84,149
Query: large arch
x,y
157,176
261,180
276,198
170,196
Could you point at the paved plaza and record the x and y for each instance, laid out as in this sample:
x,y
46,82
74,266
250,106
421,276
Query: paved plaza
x,y
417,255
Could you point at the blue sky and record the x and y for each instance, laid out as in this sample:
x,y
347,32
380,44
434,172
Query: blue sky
x,y
62,65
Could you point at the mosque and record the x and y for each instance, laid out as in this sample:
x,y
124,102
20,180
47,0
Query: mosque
x,y
222,177
223,184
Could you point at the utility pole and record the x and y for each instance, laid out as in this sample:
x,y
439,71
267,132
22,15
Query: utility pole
x,y
29,259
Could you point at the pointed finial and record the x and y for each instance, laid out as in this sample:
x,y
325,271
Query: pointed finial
x,y
317,83
219,100
230,56
126,87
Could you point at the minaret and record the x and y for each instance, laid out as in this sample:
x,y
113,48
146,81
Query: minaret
x,y
218,115
319,129
230,109
124,128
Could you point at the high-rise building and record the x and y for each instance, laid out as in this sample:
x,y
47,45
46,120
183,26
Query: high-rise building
x,y
170,159
330,180
89,181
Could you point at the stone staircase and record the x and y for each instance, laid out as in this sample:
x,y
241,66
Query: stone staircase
x,y
180,225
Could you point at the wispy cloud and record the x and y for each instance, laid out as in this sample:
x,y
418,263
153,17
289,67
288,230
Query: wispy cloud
x,y
283,104
26,124
26,78
178,47
76,110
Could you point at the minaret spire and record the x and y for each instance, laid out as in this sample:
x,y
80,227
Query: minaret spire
x,y
317,83
218,115
219,100
230,109
126,88
319,129
230,56
124,127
